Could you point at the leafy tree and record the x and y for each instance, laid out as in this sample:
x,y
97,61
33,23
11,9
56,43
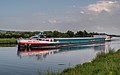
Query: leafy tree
x,y
48,34
70,33
79,34
57,34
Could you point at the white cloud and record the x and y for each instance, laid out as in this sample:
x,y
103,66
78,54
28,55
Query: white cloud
x,y
101,6
53,21
82,12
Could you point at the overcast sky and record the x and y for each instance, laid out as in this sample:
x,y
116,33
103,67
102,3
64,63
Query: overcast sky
x,y
61,15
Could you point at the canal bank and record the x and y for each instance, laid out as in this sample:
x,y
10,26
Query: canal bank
x,y
103,64
8,41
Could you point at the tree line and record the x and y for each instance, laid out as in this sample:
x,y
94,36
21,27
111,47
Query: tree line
x,y
47,34
69,33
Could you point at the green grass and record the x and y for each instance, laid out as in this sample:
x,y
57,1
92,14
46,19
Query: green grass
x,y
103,64
7,40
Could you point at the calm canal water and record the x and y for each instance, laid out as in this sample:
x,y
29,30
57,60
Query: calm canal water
x,y
30,62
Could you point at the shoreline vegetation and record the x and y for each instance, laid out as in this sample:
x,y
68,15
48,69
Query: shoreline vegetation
x,y
103,64
8,41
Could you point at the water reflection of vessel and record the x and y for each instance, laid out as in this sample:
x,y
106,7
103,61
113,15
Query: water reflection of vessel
x,y
36,52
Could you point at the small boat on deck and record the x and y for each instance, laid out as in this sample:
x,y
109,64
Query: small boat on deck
x,y
37,43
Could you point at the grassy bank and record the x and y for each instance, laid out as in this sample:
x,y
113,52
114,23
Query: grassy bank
x,y
103,64
7,41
